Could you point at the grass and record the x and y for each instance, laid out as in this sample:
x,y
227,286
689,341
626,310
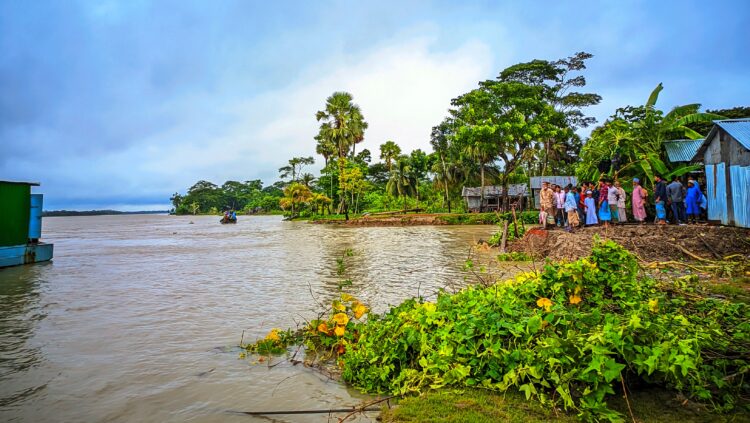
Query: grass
x,y
734,289
480,406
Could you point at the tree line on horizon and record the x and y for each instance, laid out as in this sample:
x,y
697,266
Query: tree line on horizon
x,y
521,124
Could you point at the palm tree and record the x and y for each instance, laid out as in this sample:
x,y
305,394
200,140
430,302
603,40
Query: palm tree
x,y
401,182
388,152
343,125
306,179
483,151
295,194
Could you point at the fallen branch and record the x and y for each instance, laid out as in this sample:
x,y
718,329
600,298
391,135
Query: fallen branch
x,y
689,254
365,407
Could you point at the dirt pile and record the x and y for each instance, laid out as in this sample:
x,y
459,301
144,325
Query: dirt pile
x,y
649,242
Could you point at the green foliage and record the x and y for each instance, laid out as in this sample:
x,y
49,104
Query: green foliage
x,y
526,217
565,337
513,256
631,142
497,237
206,197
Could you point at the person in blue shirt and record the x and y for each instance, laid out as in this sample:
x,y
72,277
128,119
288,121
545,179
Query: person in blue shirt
x,y
692,201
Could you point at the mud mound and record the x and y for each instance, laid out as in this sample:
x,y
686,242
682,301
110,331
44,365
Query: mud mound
x,y
649,242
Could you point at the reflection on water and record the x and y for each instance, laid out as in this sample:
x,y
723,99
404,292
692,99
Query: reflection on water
x,y
135,318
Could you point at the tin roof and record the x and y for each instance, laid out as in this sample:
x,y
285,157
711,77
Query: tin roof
x,y
682,150
491,191
739,129
536,181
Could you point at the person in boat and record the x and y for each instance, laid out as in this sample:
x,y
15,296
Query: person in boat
x,y
233,215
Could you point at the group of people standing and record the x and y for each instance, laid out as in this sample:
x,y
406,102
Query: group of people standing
x,y
605,202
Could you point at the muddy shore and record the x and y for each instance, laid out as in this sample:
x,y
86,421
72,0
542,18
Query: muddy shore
x,y
649,242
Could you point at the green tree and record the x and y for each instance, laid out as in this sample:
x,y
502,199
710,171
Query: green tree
x,y
419,165
402,183
502,120
733,113
559,79
631,142
295,196
294,168
389,151
343,125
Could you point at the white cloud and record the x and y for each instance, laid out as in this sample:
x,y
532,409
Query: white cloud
x,y
404,88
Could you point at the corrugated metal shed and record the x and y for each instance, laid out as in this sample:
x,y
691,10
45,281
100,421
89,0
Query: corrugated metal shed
x,y
682,150
739,129
493,191
717,192
740,177
536,181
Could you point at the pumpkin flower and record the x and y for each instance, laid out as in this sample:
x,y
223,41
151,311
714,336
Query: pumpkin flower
x,y
575,299
339,331
341,319
346,297
323,327
545,303
273,335
338,306
359,310
341,349
653,305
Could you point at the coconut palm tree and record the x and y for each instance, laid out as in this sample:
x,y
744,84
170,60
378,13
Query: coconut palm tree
x,y
401,183
342,125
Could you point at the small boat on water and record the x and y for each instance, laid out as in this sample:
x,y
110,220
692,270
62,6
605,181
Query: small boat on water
x,y
229,217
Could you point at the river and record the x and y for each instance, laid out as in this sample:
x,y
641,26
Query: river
x,y
137,317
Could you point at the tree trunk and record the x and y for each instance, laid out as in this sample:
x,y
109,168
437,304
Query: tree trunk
x,y
445,183
481,189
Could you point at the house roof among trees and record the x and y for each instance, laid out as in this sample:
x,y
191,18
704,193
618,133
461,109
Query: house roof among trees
x,y
739,129
491,191
682,150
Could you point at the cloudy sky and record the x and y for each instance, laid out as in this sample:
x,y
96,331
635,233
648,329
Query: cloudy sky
x,y
119,104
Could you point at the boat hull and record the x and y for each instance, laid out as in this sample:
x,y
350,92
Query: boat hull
x,y
16,255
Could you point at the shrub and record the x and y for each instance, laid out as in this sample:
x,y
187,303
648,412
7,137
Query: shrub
x,y
565,336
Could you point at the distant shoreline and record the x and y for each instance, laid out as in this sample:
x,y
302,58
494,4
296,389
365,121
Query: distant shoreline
x,y
50,213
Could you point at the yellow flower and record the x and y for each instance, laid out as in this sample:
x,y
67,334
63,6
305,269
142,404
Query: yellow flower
x,y
346,297
338,306
323,327
273,335
359,310
575,299
341,319
339,331
546,303
653,305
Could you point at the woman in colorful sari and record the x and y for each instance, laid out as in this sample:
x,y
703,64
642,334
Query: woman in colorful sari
x,y
639,201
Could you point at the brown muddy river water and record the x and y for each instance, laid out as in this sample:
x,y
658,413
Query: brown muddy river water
x,y
138,317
